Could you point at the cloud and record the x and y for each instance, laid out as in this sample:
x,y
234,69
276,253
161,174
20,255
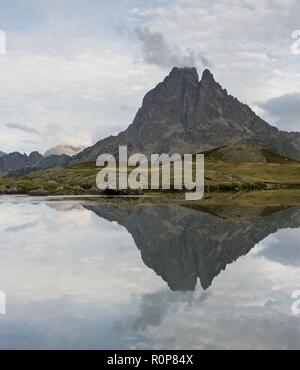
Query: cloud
x,y
72,101
17,126
284,111
26,226
63,149
282,247
157,51
251,57
156,306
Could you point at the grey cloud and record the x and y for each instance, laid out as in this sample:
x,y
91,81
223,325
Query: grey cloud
x,y
285,109
157,50
22,227
23,128
285,251
155,306
125,107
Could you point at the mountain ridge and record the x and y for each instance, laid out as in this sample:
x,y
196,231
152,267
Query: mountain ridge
x,y
185,115
182,114
17,164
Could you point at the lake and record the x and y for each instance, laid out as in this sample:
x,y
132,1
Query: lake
x,y
86,275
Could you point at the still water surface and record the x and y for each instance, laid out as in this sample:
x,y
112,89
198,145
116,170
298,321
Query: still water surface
x,y
88,276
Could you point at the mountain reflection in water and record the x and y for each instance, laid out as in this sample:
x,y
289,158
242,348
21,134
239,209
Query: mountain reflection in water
x,y
74,278
182,244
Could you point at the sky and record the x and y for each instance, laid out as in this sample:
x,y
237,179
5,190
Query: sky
x,y
76,71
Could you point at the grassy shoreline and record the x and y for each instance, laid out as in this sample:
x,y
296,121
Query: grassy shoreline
x,y
80,179
241,167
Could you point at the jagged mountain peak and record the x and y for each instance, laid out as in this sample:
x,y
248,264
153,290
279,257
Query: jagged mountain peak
x,y
185,115
35,156
189,73
207,76
208,83
181,115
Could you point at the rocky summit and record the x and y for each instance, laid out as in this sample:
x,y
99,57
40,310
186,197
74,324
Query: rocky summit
x,y
187,115
182,114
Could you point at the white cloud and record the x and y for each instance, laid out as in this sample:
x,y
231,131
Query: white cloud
x,y
73,101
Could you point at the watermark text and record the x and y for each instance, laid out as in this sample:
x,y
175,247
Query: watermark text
x,y
164,172
2,303
296,44
296,304
2,42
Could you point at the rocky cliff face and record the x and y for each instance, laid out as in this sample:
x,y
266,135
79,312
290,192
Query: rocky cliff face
x,y
182,245
185,115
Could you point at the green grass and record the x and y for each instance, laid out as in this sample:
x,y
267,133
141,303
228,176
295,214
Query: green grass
x,y
252,174
219,176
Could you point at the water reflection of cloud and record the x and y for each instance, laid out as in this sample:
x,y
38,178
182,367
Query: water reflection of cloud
x,y
68,286
61,323
248,308
282,247
14,229
70,251
155,306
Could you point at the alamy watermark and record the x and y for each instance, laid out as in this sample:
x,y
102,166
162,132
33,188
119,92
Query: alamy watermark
x,y
164,172
2,303
296,44
2,42
296,303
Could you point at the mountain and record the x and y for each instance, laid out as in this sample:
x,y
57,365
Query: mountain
x,y
182,245
17,164
185,115
245,153
63,149
180,115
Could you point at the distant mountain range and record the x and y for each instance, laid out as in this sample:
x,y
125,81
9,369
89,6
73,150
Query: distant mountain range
x,y
180,115
17,164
